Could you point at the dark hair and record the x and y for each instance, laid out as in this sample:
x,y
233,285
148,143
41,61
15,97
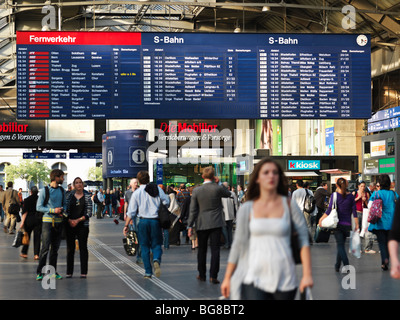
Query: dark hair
x,y
341,184
73,183
384,181
300,183
323,184
143,177
170,189
10,184
56,173
253,189
34,190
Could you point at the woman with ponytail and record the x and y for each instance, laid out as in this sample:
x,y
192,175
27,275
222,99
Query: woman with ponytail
x,y
345,206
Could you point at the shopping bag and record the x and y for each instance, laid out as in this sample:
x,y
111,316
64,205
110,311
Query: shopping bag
x,y
18,239
131,243
375,211
322,234
25,239
355,244
364,222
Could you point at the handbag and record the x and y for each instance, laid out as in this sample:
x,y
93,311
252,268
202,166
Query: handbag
x,y
18,239
332,219
375,212
131,243
322,235
294,240
25,239
164,216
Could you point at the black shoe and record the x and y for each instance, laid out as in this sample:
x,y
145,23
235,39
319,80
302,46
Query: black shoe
x,y
201,278
214,280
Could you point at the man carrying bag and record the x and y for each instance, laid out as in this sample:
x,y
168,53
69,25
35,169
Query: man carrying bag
x,y
11,201
145,202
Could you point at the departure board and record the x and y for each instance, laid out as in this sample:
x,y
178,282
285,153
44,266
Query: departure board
x,y
128,75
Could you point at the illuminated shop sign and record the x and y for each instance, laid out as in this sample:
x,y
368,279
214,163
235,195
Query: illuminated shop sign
x,y
304,164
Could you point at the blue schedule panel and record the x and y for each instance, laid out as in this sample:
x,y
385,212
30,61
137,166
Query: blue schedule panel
x,y
113,75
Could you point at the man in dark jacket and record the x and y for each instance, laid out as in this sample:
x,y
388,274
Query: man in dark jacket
x,y
320,196
207,214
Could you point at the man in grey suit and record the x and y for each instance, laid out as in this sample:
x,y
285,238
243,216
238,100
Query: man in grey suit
x,y
207,216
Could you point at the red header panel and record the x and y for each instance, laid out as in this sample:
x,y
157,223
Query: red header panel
x,y
78,38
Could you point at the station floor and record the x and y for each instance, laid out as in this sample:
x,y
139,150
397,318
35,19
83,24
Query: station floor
x,y
113,275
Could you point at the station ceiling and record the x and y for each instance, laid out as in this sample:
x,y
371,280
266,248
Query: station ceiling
x,y
380,19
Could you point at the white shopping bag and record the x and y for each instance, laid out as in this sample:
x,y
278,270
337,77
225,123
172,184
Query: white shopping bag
x,y
355,244
364,222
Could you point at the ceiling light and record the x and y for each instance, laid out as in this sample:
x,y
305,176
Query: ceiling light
x,y
266,8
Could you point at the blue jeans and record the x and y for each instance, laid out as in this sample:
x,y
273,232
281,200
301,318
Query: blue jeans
x,y
150,238
108,208
382,236
341,233
166,238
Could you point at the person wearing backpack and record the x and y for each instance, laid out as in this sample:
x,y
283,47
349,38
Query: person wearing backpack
x,y
382,227
305,200
52,204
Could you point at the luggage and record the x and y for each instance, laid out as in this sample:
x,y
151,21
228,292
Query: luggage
x,y
322,234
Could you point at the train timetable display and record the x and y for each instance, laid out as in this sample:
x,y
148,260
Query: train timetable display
x,y
115,75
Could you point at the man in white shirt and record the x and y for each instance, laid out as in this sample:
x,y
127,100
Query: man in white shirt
x,y
145,203
299,196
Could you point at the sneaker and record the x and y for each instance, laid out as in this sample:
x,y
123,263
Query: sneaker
x,y
39,277
157,269
370,251
147,276
57,276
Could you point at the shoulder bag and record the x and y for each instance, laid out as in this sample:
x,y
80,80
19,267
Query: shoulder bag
x,y
332,219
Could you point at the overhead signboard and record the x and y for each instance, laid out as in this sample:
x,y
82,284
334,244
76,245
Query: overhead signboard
x,y
123,75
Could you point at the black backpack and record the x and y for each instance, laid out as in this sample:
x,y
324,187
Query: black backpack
x,y
47,195
309,202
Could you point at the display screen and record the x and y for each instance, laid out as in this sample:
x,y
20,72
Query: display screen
x,y
126,75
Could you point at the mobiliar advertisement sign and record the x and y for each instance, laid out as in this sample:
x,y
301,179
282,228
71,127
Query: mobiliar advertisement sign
x,y
131,75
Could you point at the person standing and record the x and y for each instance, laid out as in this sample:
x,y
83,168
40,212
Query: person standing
x,y
145,203
261,264
10,196
346,207
1,202
52,204
107,204
206,212
230,207
382,227
31,221
79,208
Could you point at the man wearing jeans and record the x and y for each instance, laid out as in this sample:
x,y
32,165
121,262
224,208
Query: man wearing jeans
x,y
145,202
52,207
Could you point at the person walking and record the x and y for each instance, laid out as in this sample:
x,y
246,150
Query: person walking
x,y
260,264
31,221
52,204
107,204
145,203
79,208
230,207
346,207
321,196
206,212
382,227
361,197
10,196
393,244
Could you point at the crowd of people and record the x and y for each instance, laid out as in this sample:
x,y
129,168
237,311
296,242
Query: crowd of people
x,y
263,226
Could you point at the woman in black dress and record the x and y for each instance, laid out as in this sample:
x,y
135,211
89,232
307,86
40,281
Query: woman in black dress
x,y
79,207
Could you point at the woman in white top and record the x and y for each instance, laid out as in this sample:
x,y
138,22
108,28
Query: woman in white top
x,y
260,264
